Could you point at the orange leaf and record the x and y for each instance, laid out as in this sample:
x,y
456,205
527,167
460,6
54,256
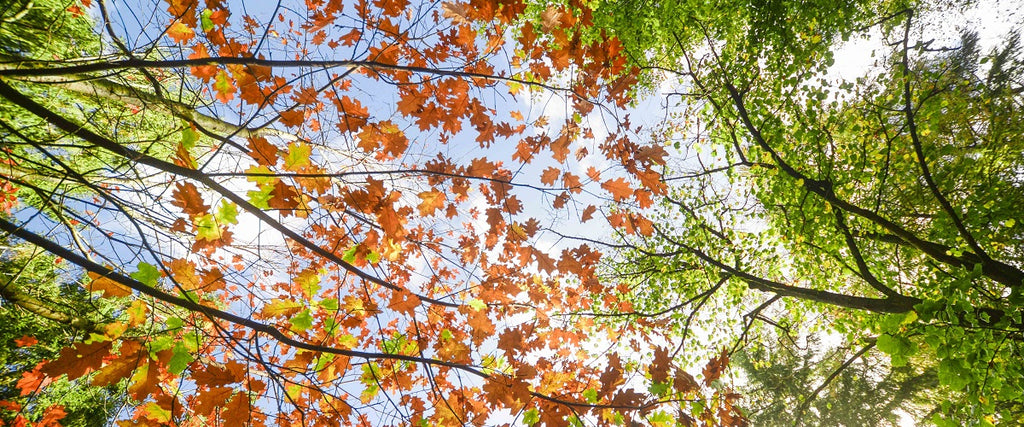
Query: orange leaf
x,y
187,197
109,287
572,182
207,402
122,366
292,118
560,148
180,32
404,301
588,213
52,416
549,176
215,376
224,85
26,341
78,360
619,188
432,201
236,411
33,380
262,151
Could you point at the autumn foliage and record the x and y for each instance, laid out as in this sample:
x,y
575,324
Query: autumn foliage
x,y
389,234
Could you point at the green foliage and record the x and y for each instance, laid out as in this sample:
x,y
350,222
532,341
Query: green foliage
x,y
29,273
886,209
782,377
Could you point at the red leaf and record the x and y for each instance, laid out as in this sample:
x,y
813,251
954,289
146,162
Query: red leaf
x,y
52,416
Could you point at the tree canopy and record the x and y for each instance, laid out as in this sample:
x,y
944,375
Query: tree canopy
x,y
317,213
884,208
401,213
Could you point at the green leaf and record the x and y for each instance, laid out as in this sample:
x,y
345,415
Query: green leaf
x,y
297,156
147,274
180,359
591,395
531,417
261,198
227,212
174,323
189,138
477,304
207,228
205,20
302,321
329,304
350,255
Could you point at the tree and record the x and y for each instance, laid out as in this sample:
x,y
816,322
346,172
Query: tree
x,y
886,205
40,316
813,384
342,231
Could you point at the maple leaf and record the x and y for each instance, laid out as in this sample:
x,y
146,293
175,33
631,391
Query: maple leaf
x,y
146,379
296,156
219,375
208,401
432,201
33,380
292,118
52,416
456,12
237,411
262,151
120,367
404,302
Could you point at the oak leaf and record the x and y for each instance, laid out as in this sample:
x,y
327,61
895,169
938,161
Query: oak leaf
x,y
588,213
109,287
549,176
619,188
432,201
186,196
78,360
715,367
180,32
